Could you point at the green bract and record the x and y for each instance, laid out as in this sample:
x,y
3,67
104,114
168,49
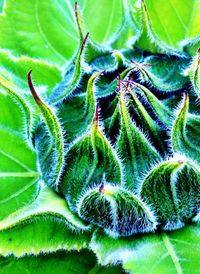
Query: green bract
x,y
103,152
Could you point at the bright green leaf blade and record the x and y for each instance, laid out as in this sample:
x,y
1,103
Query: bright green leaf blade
x,y
18,170
1,5
58,263
159,32
31,36
111,11
13,92
175,252
31,229
130,30
45,74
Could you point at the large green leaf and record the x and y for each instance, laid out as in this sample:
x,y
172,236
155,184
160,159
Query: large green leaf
x,y
16,69
169,26
46,225
27,210
32,36
18,171
175,252
108,15
58,263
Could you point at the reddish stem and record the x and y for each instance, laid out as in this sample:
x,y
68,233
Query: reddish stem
x,y
84,42
96,116
119,82
32,89
101,188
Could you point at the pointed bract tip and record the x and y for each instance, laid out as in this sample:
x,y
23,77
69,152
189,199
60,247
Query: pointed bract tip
x,y
101,188
76,7
115,52
32,89
118,82
96,115
98,73
186,96
181,161
84,41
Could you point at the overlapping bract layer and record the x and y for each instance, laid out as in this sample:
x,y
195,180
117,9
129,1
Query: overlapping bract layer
x,y
130,159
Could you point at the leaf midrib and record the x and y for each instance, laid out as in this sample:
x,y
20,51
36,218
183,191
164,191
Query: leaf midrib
x,y
26,187
61,57
172,253
16,161
20,174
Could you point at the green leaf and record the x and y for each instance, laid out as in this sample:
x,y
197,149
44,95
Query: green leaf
x,y
168,26
18,170
31,229
108,19
176,252
20,35
11,90
45,74
70,262
31,36
130,29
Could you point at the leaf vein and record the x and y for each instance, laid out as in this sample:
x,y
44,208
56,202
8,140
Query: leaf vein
x,y
172,253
